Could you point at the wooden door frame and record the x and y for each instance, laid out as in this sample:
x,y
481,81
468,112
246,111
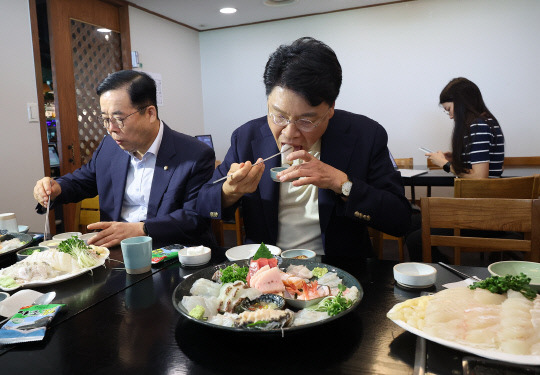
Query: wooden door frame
x,y
61,61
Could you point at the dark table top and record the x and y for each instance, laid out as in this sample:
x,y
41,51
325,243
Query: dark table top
x,y
438,177
115,324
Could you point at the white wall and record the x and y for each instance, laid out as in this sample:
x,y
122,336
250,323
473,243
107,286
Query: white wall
x,y
172,51
396,59
21,161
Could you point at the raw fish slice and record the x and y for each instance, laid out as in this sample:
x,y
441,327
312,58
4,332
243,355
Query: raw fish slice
x,y
205,288
300,271
331,279
256,276
209,304
269,281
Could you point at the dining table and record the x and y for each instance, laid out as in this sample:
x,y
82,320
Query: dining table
x,y
117,323
438,177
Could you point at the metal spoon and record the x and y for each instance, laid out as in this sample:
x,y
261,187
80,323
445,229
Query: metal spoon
x,y
44,299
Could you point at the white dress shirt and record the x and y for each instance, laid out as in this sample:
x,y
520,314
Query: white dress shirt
x,y
139,182
298,216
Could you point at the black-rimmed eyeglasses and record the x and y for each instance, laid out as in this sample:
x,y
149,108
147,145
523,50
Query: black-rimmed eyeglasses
x,y
302,124
117,121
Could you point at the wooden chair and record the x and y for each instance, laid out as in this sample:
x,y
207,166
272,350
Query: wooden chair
x,y
511,187
379,237
522,161
219,226
86,212
496,214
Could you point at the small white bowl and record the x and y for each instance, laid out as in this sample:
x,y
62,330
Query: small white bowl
x,y
415,275
53,244
85,237
295,253
194,260
67,235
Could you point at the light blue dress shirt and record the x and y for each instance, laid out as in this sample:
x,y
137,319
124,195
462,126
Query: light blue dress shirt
x,y
139,182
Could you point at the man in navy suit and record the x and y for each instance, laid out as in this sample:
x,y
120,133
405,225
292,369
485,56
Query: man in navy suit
x,y
147,175
341,179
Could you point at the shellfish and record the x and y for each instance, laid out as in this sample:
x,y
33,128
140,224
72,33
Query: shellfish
x,y
265,319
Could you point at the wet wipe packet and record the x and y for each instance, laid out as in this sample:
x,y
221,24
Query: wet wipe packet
x,y
166,253
28,324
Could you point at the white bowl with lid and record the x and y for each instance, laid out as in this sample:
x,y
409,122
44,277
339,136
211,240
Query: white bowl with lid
x,y
415,275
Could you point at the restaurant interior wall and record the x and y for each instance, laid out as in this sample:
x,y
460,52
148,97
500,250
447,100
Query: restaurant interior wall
x,y
21,161
396,59
171,50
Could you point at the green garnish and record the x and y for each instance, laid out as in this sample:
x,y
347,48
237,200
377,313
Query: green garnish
x,y
78,250
500,285
67,246
319,272
258,323
333,305
8,282
263,252
233,273
197,312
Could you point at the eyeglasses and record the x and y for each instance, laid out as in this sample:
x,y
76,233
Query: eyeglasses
x,y
302,124
117,121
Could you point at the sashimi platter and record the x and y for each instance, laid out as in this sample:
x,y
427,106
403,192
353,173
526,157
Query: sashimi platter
x,y
72,258
488,319
267,294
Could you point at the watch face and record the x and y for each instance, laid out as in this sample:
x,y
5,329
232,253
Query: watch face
x,y
346,188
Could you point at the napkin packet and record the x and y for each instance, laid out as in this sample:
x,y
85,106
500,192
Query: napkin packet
x,y
28,324
166,253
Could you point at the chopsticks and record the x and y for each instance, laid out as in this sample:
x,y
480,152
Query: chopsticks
x,y
47,231
285,149
464,276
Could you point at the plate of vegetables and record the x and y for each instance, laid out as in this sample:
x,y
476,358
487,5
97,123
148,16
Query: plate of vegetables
x,y
229,288
72,258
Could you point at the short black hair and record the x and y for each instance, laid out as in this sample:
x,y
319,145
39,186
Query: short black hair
x,y
308,67
140,86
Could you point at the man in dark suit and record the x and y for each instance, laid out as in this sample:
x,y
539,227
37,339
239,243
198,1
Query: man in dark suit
x,y
341,179
147,175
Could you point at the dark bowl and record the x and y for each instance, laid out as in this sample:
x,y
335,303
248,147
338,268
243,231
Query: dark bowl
x,y
24,253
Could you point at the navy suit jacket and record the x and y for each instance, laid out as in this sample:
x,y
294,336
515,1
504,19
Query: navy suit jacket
x,y
353,144
183,165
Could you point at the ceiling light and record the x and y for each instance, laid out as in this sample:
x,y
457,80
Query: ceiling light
x,y
227,10
275,3
103,30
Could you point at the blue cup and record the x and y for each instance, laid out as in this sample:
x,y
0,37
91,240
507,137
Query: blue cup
x,y
137,253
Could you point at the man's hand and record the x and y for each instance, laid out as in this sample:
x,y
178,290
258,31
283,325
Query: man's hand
x,y
314,171
112,232
242,178
45,187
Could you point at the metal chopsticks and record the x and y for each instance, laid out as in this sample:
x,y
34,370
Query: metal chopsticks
x,y
459,273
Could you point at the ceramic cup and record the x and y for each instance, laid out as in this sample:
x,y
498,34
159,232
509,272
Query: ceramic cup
x,y
8,223
137,253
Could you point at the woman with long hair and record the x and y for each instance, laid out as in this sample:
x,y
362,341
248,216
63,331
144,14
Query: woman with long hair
x,y
477,139
477,148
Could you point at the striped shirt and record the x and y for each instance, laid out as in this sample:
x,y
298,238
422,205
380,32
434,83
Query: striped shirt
x,y
486,145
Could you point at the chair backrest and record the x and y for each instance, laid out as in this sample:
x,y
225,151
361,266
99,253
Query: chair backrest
x,y
404,163
512,187
432,165
493,214
87,212
522,161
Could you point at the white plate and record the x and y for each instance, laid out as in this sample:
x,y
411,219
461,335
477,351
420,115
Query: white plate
x,y
491,354
247,251
61,278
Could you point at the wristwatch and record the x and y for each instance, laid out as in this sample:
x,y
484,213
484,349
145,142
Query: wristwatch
x,y
346,188
446,167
